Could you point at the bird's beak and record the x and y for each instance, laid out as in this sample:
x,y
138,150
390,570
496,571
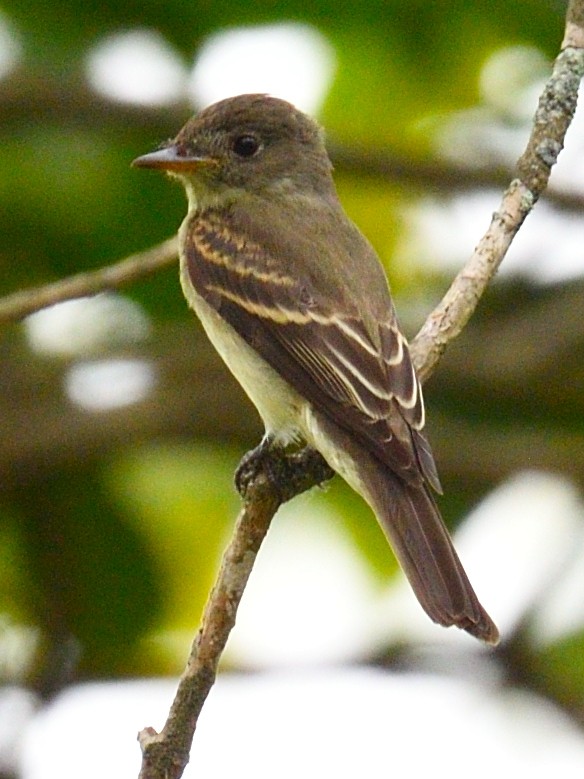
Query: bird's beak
x,y
169,159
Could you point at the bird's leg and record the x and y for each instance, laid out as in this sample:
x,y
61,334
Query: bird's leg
x,y
289,472
257,460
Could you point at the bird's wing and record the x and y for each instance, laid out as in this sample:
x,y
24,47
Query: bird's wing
x,y
366,384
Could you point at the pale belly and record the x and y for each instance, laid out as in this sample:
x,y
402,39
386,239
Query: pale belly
x,y
286,415
281,408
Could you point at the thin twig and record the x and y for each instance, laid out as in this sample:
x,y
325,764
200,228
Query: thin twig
x,y
136,266
166,755
552,119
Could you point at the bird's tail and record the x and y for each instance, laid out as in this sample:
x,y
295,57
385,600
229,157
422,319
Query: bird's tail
x,y
412,522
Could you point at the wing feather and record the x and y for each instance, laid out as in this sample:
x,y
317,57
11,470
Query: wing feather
x,y
364,380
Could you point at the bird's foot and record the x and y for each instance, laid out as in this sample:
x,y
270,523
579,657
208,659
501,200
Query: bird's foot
x,y
263,459
290,473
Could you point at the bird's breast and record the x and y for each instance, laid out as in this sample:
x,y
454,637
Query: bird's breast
x,y
281,408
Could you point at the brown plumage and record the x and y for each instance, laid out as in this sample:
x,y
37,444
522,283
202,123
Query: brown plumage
x,y
297,303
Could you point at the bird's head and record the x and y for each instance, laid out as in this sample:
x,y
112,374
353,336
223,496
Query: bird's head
x,y
255,143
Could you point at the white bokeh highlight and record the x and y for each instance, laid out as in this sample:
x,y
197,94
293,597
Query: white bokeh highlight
x,y
302,607
495,131
86,325
105,385
10,47
137,67
341,723
441,234
511,81
17,710
290,60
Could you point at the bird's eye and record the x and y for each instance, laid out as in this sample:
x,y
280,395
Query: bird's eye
x,y
246,145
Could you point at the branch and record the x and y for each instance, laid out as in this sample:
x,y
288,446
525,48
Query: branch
x,y
552,119
136,266
443,177
31,94
166,754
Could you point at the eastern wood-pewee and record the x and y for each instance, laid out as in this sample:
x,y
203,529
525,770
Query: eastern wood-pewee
x,y
296,302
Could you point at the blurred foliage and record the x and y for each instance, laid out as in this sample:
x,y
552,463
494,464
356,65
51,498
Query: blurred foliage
x,y
111,525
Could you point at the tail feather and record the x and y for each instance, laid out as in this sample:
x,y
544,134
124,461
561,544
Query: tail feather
x,y
412,523
420,540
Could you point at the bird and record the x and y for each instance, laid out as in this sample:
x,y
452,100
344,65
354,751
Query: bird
x,y
296,302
